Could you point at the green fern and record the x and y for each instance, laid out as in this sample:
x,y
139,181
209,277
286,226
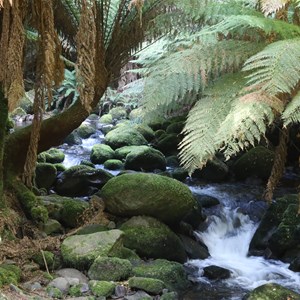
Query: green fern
x,y
291,114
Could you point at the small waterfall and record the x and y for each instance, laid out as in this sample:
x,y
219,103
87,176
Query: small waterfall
x,y
227,237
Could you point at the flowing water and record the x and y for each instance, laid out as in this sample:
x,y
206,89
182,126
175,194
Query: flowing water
x,y
227,237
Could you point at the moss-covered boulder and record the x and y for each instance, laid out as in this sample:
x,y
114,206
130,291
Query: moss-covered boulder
x,y
122,152
85,131
73,139
52,227
52,156
63,209
81,181
137,194
175,127
146,131
171,273
179,174
145,159
80,251
272,291
113,164
168,143
152,239
110,269
270,223
39,259
45,175
124,136
125,253
106,119
60,167
118,113
102,288
149,285
101,153
256,162
136,114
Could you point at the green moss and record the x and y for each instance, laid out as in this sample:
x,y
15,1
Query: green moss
x,y
54,292
13,268
87,163
113,164
169,296
72,210
146,131
8,275
39,213
118,113
76,290
125,253
171,273
110,269
106,119
149,285
85,131
100,153
102,288
45,175
175,127
54,156
60,167
122,152
49,257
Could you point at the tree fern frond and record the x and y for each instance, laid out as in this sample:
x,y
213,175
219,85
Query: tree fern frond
x,y
204,120
242,23
277,68
244,126
272,6
291,114
190,70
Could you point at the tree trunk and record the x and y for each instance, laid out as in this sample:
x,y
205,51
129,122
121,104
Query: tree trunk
x,y
53,132
3,121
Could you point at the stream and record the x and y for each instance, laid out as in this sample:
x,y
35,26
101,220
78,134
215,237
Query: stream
x,y
228,232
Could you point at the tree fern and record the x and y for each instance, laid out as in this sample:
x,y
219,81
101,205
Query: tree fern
x,y
291,114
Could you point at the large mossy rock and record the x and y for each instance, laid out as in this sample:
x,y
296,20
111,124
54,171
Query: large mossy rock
x,y
168,143
80,251
52,156
272,291
145,159
110,269
153,195
146,131
45,175
85,131
149,285
122,152
124,136
81,181
118,113
101,153
152,239
171,273
63,209
106,119
270,224
113,164
256,162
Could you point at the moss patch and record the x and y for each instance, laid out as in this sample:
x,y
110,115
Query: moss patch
x,y
102,288
149,285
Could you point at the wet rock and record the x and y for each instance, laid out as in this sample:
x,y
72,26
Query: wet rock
x,y
140,295
85,131
149,285
106,119
101,153
73,139
120,291
118,113
168,143
52,156
78,290
206,201
113,164
45,174
295,265
215,272
169,296
194,249
152,239
102,288
146,131
60,283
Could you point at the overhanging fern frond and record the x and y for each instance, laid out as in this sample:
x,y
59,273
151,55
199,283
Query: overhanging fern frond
x,y
199,143
190,70
276,69
291,114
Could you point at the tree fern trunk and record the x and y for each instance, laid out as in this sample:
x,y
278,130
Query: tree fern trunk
x,y
278,165
3,121
53,132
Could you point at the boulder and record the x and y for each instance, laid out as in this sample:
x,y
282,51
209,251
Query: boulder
x,y
113,164
118,113
110,269
73,139
206,201
271,291
124,136
85,131
170,272
269,223
145,159
168,143
102,288
101,153
194,249
45,175
149,285
52,226
122,152
179,174
175,127
136,194
256,162
80,251
146,131
216,273
63,209
72,273
152,239
81,181
106,119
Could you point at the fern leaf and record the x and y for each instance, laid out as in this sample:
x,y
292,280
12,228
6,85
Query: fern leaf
x,y
291,114
276,69
272,6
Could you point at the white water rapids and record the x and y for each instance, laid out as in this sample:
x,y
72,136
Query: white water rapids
x,y
228,237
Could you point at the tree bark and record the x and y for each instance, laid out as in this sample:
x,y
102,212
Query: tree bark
x,y
3,121
53,132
